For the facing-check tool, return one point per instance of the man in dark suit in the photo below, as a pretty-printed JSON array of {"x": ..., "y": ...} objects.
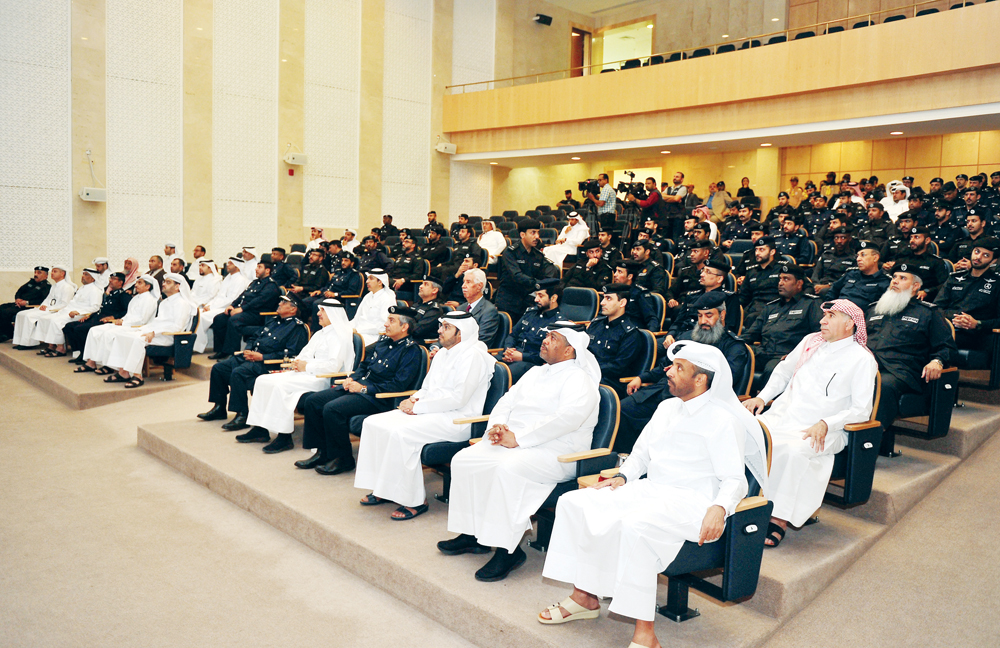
[{"x": 484, "y": 312}]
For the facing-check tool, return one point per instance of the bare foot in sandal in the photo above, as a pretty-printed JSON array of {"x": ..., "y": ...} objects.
[{"x": 581, "y": 598}]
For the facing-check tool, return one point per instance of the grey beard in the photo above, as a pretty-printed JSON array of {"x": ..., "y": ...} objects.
[
  {"x": 711, "y": 336},
  {"x": 891, "y": 303}
]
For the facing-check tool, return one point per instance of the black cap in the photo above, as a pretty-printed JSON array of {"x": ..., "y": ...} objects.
[
  {"x": 711, "y": 299},
  {"x": 590, "y": 244},
  {"x": 704, "y": 227},
  {"x": 840, "y": 230},
  {"x": 943, "y": 204},
  {"x": 783, "y": 193},
  {"x": 995, "y": 174},
  {"x": 905, "y": 178},
  {"x": 938, "y": 180},
  {"x": 404, "y": 311},
  {"x": 920, "y": 229},
  {"x": 877, "y": 205},
  {"x": 869, "y": 245},
  {"x": 948, "y": 186},
  {"x": 987, "y": 243},
  {"x": 755, "y": 226},
  {"x": 765, "y": 240},
  {"x": 42, "y": 268},
  {"x": 631, "y": 267},
  {"x": 528, "y": 224},
  {"x": 344, "y": 254},
  {"x": 913, "y": 269},
  {"x": 795, "y": 218},
  {"x": 909, "y": 214},
  {"x": 645, "y": 243},
  {"x": 698, "y": 245},
  {"x": 545, "y": 284},
  {"x": 744, "y": 206},
  {"x": 438, "y": 228},
  {"x": 791, "y": 269},
  {"x": 290, "y": 297},
  {"x": 464, "y": 226},
  {"x": 721, "y": 264},
  {"x": 962, "y": 176},
  {"x": 619, "y": 289}
]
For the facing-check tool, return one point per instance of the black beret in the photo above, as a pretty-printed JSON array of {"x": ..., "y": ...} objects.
[
  {"x": 962, "y": 176},
  {"x": 290, "y": 297},
  {"x": 711, "y": 299},
  {"x": 704, "y": 227},
  {"x": 795, "y": 218},
  {"x": 42, "y": 268},
  {"x": 590, "y": 244},
  {"x": 948, "y": 186},
  {"x": 404, "y": 311},
  {"x": 645, "y": 243},
  {"x": 744, "y": 206},
  {"x": 905, "y": 178},
  {"x": 697, "y": 245},
  {"x": 995, "y": 174},
  {"x": 719, "y": 264},
  {"x": 464, "y": 226},
  {"x": 938, "y": 180},
  {"x": 791, "y": 269},
  {"x": 920, "y": 229},
  {"x": 368, "y": 238},
  {"x": 909, "y": 214},
  {"x": 877, "y": 205},
  {"x": 754, "y": 226},
  {"x": 943, "y": 204},
  {"x": 987, "y": 243},
  {"x": 765, "y": 240},
  {"x": 913, "y": 269},
  {"x": 528, "y": 224},
  {"x": 631, "y": 267},
  {"x": 619, "y": 289},
  {"x": 117, "y": 275},
  {"x": 869, "y": 245},
  {"x": 783, "y": 193},
  {"x": 840, "y": 230},
  {"x": 545, "y": 284}
]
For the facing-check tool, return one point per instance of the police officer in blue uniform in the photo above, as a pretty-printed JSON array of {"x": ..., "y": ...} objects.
[
  {"x": 281, "y": 273},
  {"x": 712, "y": 280},
  {"x": 615, "y": 340},
  {"x": 29, "y": 294},
  {"x": 760, "y": 284},
  {"x": 392, "y": 366},
  {"x": 244, "y": 317},
  {"x": 114, "y": 305},
  {"x": 590, "y": 269},
  {"x": 523, "y": 345},
  {"x": 234, "y": 377},
  {"x": 971, "y": 300},
  {"x": 521, "y": 266},
  {"x": 641, "y": 307},
  {"x": 371, "y": 255},
  {"x": 944, "y": 230},
  {"x": 428, "y": 308},
  {"x": 930, "y": 266},
  {"x": 864, "y": 283},
  {"x": 638, "y": 407},
  {"x": 793, "y": 241},
  {"x": 739, "y": 227},
  {"x": 653, "y": 276},
  {"x": 784, "y": 321},
  {"x": 834, "y": 262}
]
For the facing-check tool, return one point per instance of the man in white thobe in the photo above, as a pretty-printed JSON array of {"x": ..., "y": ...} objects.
[
  {"x": 455, "y": 388},
  {"x": 173, "y": 315},
  {"x": 369, "y": 320},
  {"x": 250, "y": 261},
  {"x": 492, "y": 241},
  {"x": 315, "y": 239},
  {"x": 231, "y": 287},
  {"x": 169, "y": 254},
  {"x": 272, "y": 409},
  {"x": 499, "y": 483},
  {"x": 100, "y": 339},
  {"x": 49, "y": 327},
  {"x": 206, "y": 286},
  {"x": 569, "y": 240},
  {"x": 60, "y": 294},
  {"x": 102, "y": 265},
  {"x": 826, "y": 382},
  {"x": 613, "y": 540}
]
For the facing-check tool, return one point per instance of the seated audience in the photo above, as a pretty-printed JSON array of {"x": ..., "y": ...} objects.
[
  {"x": 760, "y": 284},
  {"x": 570, "y": 238},
  {"x": 929, "y": 265},
  {"x": 230, "y": 290},
  {"x": 524, "y": 342},
  {"x": 521, "y": 266},
  {"x": 834, "y": 262},
  {"x": 863, "y": 284},
  {"x": 615, "y": 340},
  {"x": 652, "y": 277},
  {"x": 971, "y": 299},
  {"x": 481, "y": 308},
  {"x": 712, "y": 279},
  {"x": 114, "y": 305},
  {"x": 100, "y": 339},
  {"x": 244, "y": 316},
  {"x": 641, "y": 307},
  {"x": 59, "y": 295},
  {"x": 29, "y": 295},
  {"x": 315, "y": 238},
  {"x": 207, "y": 284},
  {"x": 492, "y": 241},
  {"x": 793, "y": 241},
  {"x": 590, "y": 269},
  {"x": 281, "y": 273}
]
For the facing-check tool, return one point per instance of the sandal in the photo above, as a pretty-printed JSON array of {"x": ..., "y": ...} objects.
[
  {"x": 371, "y": 500},
  {"x": 52, "y": 353},
  {"x": 775, "y": 534},
  {"x": 133, "y": 382},
  {"x": 43, "y": 351},
  {"x": 576, "y": 612},
  {"x": 84, "y": 369},
  {"x": 104, "y": 371},
  {"x": 407, "y": 513},
  {"x": 115, "y": 378}
]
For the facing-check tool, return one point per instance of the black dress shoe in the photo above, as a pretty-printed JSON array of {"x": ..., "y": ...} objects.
[
  {"x": 316, "y": 460},
  {"x": 218, "y": 355},
  {"x": 217, "y": 413},
  {"x": 256, "y": 434},
  {"x": 239, "y": 422},
  {"x": 280, "y": 444},
  {"x": 501, "y": 564},
  {"x": 336, "y": 467},
  {"x": 463, "y": 544}
]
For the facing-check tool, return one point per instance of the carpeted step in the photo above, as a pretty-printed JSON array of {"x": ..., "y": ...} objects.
[
  {"x": 971, "y": 424},
  {"x": 201, "y": 367}
]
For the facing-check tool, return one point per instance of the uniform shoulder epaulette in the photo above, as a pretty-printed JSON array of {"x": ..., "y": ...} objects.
[
  {"x": 628, "y": 325},
  {"x": 810, "y": 295},
  {"x": 297, "y": 321},
  {"x": 927, "y": 303},
  {"x": 733, "y": 336},
  {"x": 774, "y": 301}
]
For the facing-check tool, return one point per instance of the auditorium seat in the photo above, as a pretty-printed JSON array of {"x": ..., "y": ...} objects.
[
  {"x": 805, "y": 34},
  {"x": 498, "y": 219},
  {"x": 676, "y": 56},
  {"x": 548, "y": 235},
  {"x": 632, "y": 64},
  {"x": 358, "y": 421},
  {"x": 894, "y": 18},
  {"x": 580, "y": 304},
  {"x": 608, "y": 70},
  {"x": 722, "y": 49},
  {"x": 298, "y": 247},
  {"x": 546, "y": 219},
  {"x": 854, "y": 466},
  {"x": 507, "y": 227},
  {"x": 974, "y": 360},
  {"x": 700, "y": 52},
  {"x": 510, "y": 214},
  {"x": 750, "y": 43},
  {"x": 859, "y": 25},
  {"x": 935, "y": 403},
  {"x": 656, "y": 59},
  {"x": 926, "y": 12},
  {"x": 834, "y": 30},
  {"x": 543, "y": 209},
  {"x": 176, "y": 356},
  {"x": 777, "y": 39}
]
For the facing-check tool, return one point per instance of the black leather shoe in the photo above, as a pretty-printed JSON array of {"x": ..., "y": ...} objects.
[
  {"x": 336, "y": 467},
  {"x": 239, "y": 422},
  {"x": 280, "y": 444},
  {"x": 501, "y": 564},
  {"x": 463, "y": 544},
  {"x": 256, "y": 434},
  {"x": 218, "y": 355},
  {"x": 217, "y": 413},
  {"x": 316, "y": 460}
]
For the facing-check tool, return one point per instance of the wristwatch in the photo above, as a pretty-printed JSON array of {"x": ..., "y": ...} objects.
[
  {"x": 623, "y": 477},
  {"x": 364, "y": 390}
]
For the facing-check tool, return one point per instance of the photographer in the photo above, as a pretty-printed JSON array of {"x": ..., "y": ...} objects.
[
  {"x": 653, "y": 208},
  {"x": 674, "y": 198},
  {"x": 606, "y": 213}
]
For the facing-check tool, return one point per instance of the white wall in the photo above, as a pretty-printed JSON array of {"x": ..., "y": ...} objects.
[
  {"x": 145, "y": 121},
  {"x": 245, "y": 155},
  {"x": 36, "y": 221}
]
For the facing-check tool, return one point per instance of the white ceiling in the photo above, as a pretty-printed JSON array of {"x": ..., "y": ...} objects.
[
  {"x": 595, "y": 7},
  {"x": 933, "y": 122}
]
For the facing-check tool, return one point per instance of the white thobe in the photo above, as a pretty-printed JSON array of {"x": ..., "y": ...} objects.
[
  {"x": 552, "y": 410},
  {"x": 49, "y": 327},
  {"x": 493, "y": 242},
  {"x": 836, "y": 385},
  {"x": 574, "y": 235},
  {"x": 102, "y": 279},
  {"x": 129, "y": 348},
  {"x": 276, "y": 395},
  {"x": 894, "y": 208},
  {"x": 369, "y": 320},
  {"x": 313, "y": 245},
  {"x": 350, "y": 245},
  {"x": 59, "y": 295},
  {"x": 389, "y": 457},
  {"x": 230, "y": 288},
  {"x": 614, "y": 543},
  {"x": 100, "y": 339},
  {"x": 193, "y": 272},
  {"x": 205, "y": 288},
  {"x": 249, "y": 269}
]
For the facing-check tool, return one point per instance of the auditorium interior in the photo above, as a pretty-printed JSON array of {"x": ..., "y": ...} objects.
[{"x": 231, "y": 124}]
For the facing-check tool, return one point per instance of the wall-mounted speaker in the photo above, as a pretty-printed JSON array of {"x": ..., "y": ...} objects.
[{"x": 542, "y": 19}]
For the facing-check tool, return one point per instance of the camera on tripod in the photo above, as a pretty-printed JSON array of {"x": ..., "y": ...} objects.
[
  {"x": 589, "y": 186},
  {"x": 637, "y": 189}
]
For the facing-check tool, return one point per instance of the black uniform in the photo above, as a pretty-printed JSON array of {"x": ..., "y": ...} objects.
[
  {"x": 459, "y": 253},
  {"x": 653, "y": 277},
  {"x": 641, "y": 308},
  {"x": 684, "y": 282},
  {"x": 392, "y": 366},
  {"x": 369, "y": 260},
  {"x": 32, "y": 292},
  {"x": 832, "y": 265},
  {"x": 963, "y": 248},
  {"x": 946, "y": 235},
  {"x": 388, "y": 230},
  {"x": 410, "y": 267},
  {"x": 611, "y": 254},
  {"x": 759, "y": 287},
  {"x": 313, "y": 277},
  {"x": 519, "y": 270},
  {"x": 436, "y": 252},
  {"x": 527, "y": 337},
  {"x": 975, "y": 296},
  {"x": 637, "y": 409},
  {"x": 114, "y": 304},
  {"x": 795, "y": 245},
  {"x": 428, "y": 314},
  {"x": 877, "y": 231},
  {"x": 930, "y": 265},
  {"x": 234, "y": 377},
  {"x": 284, "y": 274},
  {"x": 687, "y": 314},
  {"x": 616, "y": 345},
  {"x": 903, "y": 344},
  {"x": 897, "y": 246},
  {"x": 859, "y": 288},
  {"x": 814, "y": 221},
  {"x": 737, "y": 229},
  {"x": 261, "y": 296},
  {"x": 781, "y": 326},
  {"x": 580, "y": 276}
]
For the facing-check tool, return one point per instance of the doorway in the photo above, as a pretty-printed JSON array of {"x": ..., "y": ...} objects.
[{"x": 579, "y": 52}]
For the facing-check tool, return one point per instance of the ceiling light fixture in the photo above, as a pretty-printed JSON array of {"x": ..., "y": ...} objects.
[
  {"x": 896, "y": 133},
  {"x": 766, "y": 144},
  {"x": 725, "y": 35},
  {"x": 775, "y": 19},
  {"x": 665, "y": 152},
  {"x": 574, "y": 158},
  {"x": 494, "y": 162},
  {"x": 84, "y": 38},
  {"x": 649, "y": 26}
]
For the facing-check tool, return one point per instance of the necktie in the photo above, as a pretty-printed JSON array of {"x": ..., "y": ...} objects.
[{"x": 468, "y": 308}]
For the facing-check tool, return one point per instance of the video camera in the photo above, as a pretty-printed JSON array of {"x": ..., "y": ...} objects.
[
  {"x": 637, "y": 189},
  {"x": 589, "y": 186}
]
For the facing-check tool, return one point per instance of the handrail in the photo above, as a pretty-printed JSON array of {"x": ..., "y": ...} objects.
[{"x": 787, "y": 32}]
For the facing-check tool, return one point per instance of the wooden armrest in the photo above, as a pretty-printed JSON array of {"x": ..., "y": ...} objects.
[
  {"x": 744, "y": 397},
  {"x": 176, "y": 333},
  {"x": 660, "y": 334},
  {"x": 867, "y": 425},
  {"x": 492, "y": 351},
  {"x": 475, "y": 441},
  {"x": 587, "y": 480},
  {"x": 340, "y": 382},
  {"x": 348, "y": 296},
  {"x": 627, "y": 379},
  {"x": 395, "y": 394},
  {"x": 269, "y": 313},
  {"x": 472, "y": 419},
  {"x": 340, "y": 374},
  {"x": 751, "y": 503},
  {"x": 996, "y": 330},
  {"x": 280, "y": 361},
  {"x": 430, "y": 341},
  {"x": 949, "y": 369},
  {"x": 584, "y": 322},
  {"x": 586, "y": 454},
  {"x": 609, "y": 472}
]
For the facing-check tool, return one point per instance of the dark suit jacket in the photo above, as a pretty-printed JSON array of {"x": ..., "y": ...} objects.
[{"x": 487, "y": 317}]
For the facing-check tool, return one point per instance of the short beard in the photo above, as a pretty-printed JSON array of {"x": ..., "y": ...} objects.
[
  {"x": 711, "y": 336},
  {"x": 892, "y": 303}
]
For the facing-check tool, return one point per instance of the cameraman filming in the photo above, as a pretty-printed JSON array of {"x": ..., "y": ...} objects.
[
  {"x": 653, "y": 207},
  {"x": 605, "y": 203}
]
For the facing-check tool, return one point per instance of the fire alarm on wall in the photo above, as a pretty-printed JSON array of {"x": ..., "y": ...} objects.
[{"x": 291, "y": 172}]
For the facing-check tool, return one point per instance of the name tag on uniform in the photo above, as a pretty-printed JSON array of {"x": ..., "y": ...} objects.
[
  {"x": 773, "y": 315},
  {"x": 915, "y": 320},
  {"x": 874, "y": 318},
  {"x": 795, "y": 312}
]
